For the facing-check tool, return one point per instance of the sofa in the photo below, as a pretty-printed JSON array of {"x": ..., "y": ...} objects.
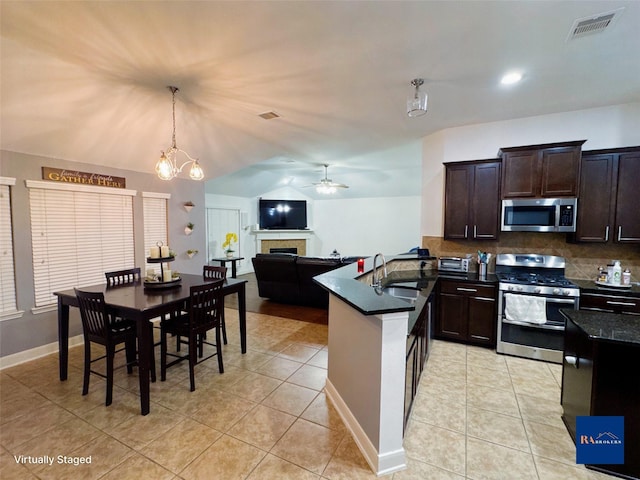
[{"x": 288, "y": 278}]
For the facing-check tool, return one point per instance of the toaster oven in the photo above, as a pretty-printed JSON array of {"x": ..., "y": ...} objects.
[{"x": 454, "y": 264}]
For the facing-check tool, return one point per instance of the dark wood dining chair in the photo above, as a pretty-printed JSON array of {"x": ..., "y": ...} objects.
[
  {"x": 120, "y": 278},
  {"x": 213, "y": 272},
  {"x": 123, "y": 277},
  {"x": 98, "y": 326},
  {"x": 203, "y": 314}
]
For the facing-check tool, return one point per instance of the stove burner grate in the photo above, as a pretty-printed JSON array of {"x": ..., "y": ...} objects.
[{"x": 535, "y": 279}]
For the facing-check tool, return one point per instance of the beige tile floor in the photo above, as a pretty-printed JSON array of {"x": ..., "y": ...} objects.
[{"x": 478, "y": 415}]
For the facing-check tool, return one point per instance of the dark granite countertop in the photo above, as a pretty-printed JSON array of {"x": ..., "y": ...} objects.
[
  {"x": 608, "y": 327},
  {"x": 591, "y": 287},
  {"x": 343, "y": 282},
  {"x": 471, "y": 277}
]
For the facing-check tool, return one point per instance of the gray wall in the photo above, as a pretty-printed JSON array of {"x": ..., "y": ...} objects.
[{"x": 31, "y": 331}]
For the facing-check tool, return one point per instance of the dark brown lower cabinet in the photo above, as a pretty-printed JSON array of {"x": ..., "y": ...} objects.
[
  {"x": 417, "y": 353},
  {"x": 467, "y": 312},
  {"x": 614, "y": 302},
  {"x": 603, "y": 378}
]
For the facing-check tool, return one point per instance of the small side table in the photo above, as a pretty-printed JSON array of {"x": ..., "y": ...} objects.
[{"x": 233, "y": 260}]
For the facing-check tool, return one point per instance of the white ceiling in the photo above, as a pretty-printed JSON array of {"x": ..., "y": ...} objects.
[{"x": 86, "y": 81}]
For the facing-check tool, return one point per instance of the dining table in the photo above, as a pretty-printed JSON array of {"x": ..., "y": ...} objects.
[{"x": 141, "y": 303}]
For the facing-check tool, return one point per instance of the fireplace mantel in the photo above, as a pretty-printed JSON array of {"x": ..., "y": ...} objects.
[{"x": 283, "y": 238}]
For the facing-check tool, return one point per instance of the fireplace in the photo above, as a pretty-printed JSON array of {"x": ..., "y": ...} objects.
[
  {"x": 297, "y": 246},
  {"x": 298, "y": 241},
  {"x": 293, "y": 250}
]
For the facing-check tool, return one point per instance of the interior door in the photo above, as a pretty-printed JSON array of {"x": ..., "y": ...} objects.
[{"x": 221, "y": 221}]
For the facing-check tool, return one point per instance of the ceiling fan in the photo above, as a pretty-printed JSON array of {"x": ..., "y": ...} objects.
[{"x": 326, "y": 185}]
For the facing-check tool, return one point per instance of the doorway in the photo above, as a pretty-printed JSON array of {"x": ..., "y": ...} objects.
[{"x": 221, "y": 221}]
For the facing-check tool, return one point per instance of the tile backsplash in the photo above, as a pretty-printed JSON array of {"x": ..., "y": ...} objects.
[{"x": 583, "y": 259}]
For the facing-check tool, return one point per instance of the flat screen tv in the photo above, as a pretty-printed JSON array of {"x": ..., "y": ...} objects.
[{"x": 282, "y": 214}]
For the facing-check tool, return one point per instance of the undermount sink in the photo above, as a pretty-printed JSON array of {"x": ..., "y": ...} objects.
[{"x": 405, "y": 293}]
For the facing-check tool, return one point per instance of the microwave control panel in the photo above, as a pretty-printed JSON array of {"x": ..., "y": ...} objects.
[{"x": 566, "y": 215}]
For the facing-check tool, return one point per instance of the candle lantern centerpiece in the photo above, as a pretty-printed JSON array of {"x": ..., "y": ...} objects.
[{"x": 162, "y": 254}]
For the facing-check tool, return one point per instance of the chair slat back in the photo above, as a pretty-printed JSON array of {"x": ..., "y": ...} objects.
[
  {"x": 93, "y": 311},
  {"x": 123, "y": 277},
  {"x": 209, "y": 271},
  {"x": 206, "y": 304}
]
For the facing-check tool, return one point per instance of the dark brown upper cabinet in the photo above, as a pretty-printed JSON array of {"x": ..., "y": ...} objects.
[
  {"x": 607, "y": 206},
  {"x": 472, "y": 200},
  {"x": 541, "y": 171}
]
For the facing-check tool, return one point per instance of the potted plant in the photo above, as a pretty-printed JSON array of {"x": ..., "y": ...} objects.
[
  {"x": 188, "y": 229},
  {"x": 191, "y": 253},
  {"x": 188, "y": 206},
  {"x": 227, "y": 245}
]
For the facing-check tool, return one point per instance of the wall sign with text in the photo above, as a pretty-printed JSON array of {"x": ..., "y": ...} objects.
[{"x": 82, "y": 178}]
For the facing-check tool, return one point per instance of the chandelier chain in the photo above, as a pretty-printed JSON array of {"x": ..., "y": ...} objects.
[{"x": 173, "y": 94}]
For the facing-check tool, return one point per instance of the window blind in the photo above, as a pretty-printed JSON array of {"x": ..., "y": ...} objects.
[
  {"x": 7, "y": 277},
  {"x": 155, "y": 224},
  {"x": 77, "y": 235}
]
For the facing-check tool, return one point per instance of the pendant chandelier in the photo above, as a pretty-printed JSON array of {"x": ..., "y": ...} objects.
[
  {"x": 167, "y": 167},
  {"x": 417, "y": 102}
]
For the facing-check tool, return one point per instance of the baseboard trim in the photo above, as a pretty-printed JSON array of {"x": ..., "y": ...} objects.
[
  {"x": 35, "y": 353},
  {"x": 381, "y": 464}
]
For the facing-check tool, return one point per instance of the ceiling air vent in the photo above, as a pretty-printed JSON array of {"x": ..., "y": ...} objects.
[
  {"x": 269, "y": 115},
  {"x": 594, "y": 24}
]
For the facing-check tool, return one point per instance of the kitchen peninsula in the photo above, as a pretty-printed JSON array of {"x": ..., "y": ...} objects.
[
  {"x": 371, "y": 336},
  {"x": 600, "y": 376}
]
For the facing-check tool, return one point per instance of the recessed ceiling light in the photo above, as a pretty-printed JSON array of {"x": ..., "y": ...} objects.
[{"x": 511, "y": 78}]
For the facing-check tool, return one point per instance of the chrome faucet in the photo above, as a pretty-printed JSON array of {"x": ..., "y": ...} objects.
[{"x": 377, "y": 282}]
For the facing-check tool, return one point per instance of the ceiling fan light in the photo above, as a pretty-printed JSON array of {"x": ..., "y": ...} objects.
[
  {"x": 417, "y": 101},
  {"x": 326, "y": 186},
  {"x": 325, "y": 189}
]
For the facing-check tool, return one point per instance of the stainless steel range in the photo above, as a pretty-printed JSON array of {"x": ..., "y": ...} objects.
[{"x": 532, "y": 290}]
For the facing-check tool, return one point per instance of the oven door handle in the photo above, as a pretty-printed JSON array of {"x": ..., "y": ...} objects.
[
  {"x": 561, "y": 300},
  {"x": 541, "y": 326}
]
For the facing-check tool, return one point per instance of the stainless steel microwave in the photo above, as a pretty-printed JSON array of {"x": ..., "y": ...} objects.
[{"x": 539, "y": 215}]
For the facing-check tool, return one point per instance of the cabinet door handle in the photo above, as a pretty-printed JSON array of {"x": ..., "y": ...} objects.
[
  {"x": 624, "y": 304},
  {"x": 478, "y": 337},
  {"x": 606, "y": 234},
  {"x": 466, "y": 230},
  {"x": 571, "y": 360},
  {"x": 462, "y": 289},
  {"x": 475, "y": 231},
  {"x": 620, "y": 238}
]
